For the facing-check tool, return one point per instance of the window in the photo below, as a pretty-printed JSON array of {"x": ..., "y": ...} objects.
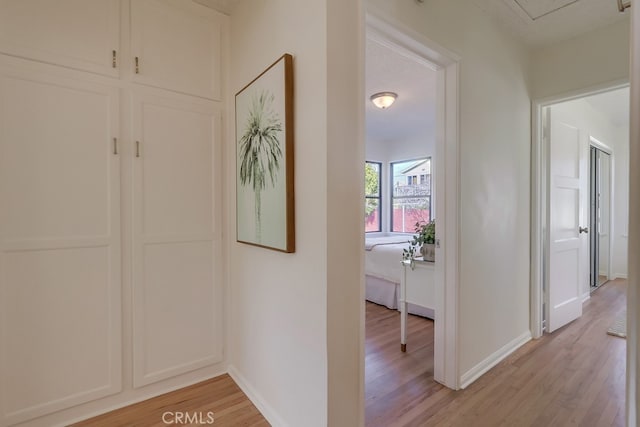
[
  {"x": 372, "y": 197},
  {"x": 411, "y": 197}
]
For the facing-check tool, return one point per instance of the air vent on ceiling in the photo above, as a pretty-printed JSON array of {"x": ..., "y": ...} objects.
[{"x": 538, "y": 8}]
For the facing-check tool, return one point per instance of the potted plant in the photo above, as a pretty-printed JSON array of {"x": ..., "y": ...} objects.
[{"x": 424, "y": 241}]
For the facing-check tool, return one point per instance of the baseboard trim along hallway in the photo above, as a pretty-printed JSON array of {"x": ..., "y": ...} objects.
[{"x": 477, "y": 371}]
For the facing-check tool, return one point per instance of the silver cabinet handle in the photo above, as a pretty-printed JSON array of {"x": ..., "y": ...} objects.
[{"x": 623, "y": 5}]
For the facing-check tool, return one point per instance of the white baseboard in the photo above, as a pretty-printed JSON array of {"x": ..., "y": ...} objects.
[
  {"x": 267, "y": 411},
  {"x": 586, "y": 296},
  {"x": 477, "y": 371},
  {"x": 620, "y": 276},
  {"x": 129, "y": 397}
]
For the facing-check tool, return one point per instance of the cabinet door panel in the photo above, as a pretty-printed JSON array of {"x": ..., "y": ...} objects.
[
  {"x": 54, "y": 138},
  {"x": 60, "y": 327},
  {"x": 178, "y": 300},
  {"x": 177, "y": 45},
  {"x": 177, "y": 274},
  {"x": 177, "y": 173},
  {"x": 80, "y": 34}
]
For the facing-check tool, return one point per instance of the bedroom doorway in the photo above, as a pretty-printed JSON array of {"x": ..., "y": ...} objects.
[{"x": 443, "y": 173}]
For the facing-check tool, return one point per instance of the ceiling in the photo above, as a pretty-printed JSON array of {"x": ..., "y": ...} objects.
[
  {"x": 413, "y": 113},
  {"x": 542, "y": 22},
  {"x": 223, "y": 6},
  {"x": 536, "y": 22}
]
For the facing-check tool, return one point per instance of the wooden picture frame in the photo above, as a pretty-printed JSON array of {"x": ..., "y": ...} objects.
[{"x": 264, "y": 159}]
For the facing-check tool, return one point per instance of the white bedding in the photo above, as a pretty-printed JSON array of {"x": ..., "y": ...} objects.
[
  {"x": 373, "y": 242},
  {"x": 383, "y": 268},
  {"x": 385, "y": 261}
]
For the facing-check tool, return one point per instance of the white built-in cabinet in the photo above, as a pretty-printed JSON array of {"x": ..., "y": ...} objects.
[
  {"x": 80, "y": 34},
  {"x": 60, "y": 279},
  {"x": 176, "y": 235},
  {"x": 110, "y": 193},
  {"x": 170, "y": 37}
]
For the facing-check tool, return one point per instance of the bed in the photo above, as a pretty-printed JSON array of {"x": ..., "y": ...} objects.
[{"x": 384, "y": 269}]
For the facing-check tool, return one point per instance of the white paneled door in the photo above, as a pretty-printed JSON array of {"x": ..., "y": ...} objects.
[
  {"x": 567, "y": 219},
  {"x": 177, "y": 283},
  {"x": 60, "y": 327}
]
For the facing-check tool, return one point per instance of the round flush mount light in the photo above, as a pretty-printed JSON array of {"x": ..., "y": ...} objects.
[{"x": 383, "y": 100}]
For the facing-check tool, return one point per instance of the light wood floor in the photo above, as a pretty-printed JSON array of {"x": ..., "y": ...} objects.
[
  {"x": 573, "y": 377},
  {"x": 220, "y": 395},
  {"x": 576, "y": 376}
]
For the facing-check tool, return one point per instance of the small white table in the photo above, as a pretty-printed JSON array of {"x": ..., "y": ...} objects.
[{"x": 416, "y": 287}]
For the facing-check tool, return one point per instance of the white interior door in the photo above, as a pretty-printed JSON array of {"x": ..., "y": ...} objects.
[{"x": 568, "y": 242}]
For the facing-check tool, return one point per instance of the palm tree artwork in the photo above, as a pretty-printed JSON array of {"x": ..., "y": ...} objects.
[{"x": 259, "y": 150}]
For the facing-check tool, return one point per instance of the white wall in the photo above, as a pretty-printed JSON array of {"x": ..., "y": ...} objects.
[
  {"x": 376, "y": 150},
  {"x": 494, "y": 166},
  {"x": 599, "y": 126},
  {"x": 596, "y": 58},
  {"x": 392, "y": 151},
  {"x": 294, "y": 319},
  {"x": 412, "y": 148},
  {"x": 619, "y": 265}
]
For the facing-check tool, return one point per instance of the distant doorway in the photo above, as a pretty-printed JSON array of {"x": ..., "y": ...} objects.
[
  {"x": 579, "y": 220},
  {"x": 600, "y": 216}
]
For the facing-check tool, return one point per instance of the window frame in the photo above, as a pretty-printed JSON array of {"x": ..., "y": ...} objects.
[
  {"x": 379, "y": 197},
  {"x": 392, "y": 197}
]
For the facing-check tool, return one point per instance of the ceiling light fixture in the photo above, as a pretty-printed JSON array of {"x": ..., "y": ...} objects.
[{"x": 383, "y": 100}]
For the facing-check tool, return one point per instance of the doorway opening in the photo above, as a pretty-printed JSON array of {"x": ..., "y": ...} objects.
[
  {"x": 438, "y": 169},
  {"x": 580, "y": 176},
  {"x": 600, "y": 215}
]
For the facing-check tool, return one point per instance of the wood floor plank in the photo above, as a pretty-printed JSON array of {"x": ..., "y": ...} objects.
[
  {"x": 220, "y": 396},
  {"x": 575, "y": 376}
]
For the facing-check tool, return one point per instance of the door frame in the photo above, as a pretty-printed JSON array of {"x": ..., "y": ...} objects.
[
  {"x": 593, "y": 142},
  {"x": 539, "y": 165},
  {"x": 412, "y": 44}
]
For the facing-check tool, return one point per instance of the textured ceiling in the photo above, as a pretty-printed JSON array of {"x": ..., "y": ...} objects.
[
  {"x": 542, "y": 22},
  {"x": 413, "y": 113}
]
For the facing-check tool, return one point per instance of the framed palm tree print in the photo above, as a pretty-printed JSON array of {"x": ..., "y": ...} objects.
[{"x": 264, "y": 159}]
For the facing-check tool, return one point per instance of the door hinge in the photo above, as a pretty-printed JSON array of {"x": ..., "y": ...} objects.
[
  {"x": 113, "y": 59},
  {"x": 437, "y": 243},
  {"x": 115, "y": 146},
  {"x": 137, "y": 60},
  {"x": 137, "y": 148}
]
